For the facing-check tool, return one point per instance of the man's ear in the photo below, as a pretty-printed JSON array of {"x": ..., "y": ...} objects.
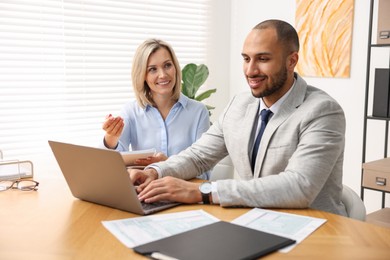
[{"x": 292, "y": 60}]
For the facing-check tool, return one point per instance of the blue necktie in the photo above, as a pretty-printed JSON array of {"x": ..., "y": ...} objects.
[{"x": 264, "y": 114}]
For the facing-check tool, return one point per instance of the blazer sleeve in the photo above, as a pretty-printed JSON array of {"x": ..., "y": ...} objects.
[{"x": 200, "y": 157}]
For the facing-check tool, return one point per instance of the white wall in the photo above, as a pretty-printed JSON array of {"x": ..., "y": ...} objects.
[
  {"x": 218, "y": 57},
  {"x": 348, "y": 92}
]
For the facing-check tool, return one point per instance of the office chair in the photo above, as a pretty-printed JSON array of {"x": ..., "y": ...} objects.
[{"x": 353, "y": 204}]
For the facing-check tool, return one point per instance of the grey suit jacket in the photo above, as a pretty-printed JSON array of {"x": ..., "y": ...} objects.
[{"x": 300, "y": 158}]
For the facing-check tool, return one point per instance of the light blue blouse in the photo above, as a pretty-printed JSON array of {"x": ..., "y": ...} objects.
[{"x": 146, "y": 129}]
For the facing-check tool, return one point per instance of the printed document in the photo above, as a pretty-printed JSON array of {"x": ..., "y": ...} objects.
[
  {"x": 140, "y": 230},
  {"x": 292, "y": 226}
]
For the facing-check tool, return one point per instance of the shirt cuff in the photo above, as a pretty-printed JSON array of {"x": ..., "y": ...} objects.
[
  {"x": 106, "y": 146},
  {"x": 158, "y": 170},
  {"x": 214, "y": 192}
]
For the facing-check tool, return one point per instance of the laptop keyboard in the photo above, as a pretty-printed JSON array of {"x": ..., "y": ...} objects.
[
  {"x": 148, "y": 206},
  {"x": 156, "y": 206}
]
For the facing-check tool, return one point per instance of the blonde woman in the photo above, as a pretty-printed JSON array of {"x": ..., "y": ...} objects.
[{"x": 161, "y": 117}]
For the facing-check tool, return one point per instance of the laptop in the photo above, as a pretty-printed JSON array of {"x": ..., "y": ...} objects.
[{"x": 100, "y": 176}]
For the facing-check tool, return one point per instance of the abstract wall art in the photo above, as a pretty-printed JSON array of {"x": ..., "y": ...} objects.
[{"x": 325, "y": 32}]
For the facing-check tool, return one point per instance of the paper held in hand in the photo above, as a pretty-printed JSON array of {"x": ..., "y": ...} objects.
[{"x": 130, "y": 157}]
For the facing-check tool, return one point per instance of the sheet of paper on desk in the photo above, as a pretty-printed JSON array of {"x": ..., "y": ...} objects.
[
  {"x": 140, "y": 230},
  {"x": 293, "y": 226}
]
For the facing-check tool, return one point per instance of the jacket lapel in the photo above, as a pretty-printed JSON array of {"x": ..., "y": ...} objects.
[
  {"x": 293, "y": 101},
  {"x": 248, "y": 123}
]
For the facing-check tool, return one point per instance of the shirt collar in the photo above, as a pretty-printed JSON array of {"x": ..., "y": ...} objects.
[
  {"x": 276, "y": 106},
  {"x": 183, "y": 101}
]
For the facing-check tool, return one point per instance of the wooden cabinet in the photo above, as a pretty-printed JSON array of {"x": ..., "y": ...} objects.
[
  {"x": 376, "y": 176},
  {"x": 380, "y": 217}
]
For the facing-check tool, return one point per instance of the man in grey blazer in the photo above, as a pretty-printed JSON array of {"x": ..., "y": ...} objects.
[{"x": 300, "y": 157}]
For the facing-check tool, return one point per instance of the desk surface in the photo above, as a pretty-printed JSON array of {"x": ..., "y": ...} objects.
[{"x": 51, "y": 224}]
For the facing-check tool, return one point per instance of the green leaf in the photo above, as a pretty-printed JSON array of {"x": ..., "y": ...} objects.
[
  {"x": 193, "y": 77},
  {"x": 205, "y": 94},
  {"x": 184, "y": 90}
]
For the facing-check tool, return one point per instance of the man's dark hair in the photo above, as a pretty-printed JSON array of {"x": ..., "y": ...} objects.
[{"x": 286, "y": 33}]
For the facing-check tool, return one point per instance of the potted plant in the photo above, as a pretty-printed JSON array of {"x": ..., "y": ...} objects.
[{"x": 193, "y": 77}]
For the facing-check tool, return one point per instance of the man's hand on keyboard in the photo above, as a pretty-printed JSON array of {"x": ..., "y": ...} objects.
[
  {"x": 171, "y": 189},
  {"x": 142, "y": 177}
]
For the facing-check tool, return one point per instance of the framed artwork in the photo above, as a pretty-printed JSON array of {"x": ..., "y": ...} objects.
[{"x": 325, "y": 33}]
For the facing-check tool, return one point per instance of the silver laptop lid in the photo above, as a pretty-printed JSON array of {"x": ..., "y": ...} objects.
[{"x": 97, "y": 175}]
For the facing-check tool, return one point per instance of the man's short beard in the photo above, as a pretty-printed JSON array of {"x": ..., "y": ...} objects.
[{"x": 280, "y": 80}]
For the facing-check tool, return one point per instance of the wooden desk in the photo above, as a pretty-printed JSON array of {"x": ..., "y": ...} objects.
[{"x": 51, "y": 224}]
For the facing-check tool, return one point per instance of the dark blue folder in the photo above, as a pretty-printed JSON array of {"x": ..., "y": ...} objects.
[{"x": 220, "y": 240}]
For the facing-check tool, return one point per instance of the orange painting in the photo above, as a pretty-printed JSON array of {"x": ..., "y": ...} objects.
[{"x": 325, "y": 33}]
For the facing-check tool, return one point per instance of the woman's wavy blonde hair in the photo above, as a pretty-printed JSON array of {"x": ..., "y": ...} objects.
[{"x": 139, "y": 69}]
